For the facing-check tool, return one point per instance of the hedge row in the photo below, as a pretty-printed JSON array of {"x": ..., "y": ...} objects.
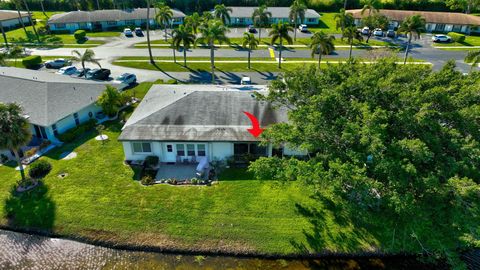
[
  {"x": 76, "y": 132},
  {"x": 457, "y": 37},
  {"x": 32, "y": 61},
  {"x": 80, "y": 35}
]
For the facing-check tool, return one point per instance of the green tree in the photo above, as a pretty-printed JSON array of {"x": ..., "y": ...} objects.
[
  {"x": 193, "y": 22},
  {"x": 412, "y": 26},
  {"x": 111, "y": 100},
  {"x": 351, "y": 33},
  {"x": 375, "y": 21},
  {"x": 322, "y": 44},
  {"x": 182, "y": 36},
  {"x": 250, "y": 43},
  {"x": 3, "y": 59},
  {"x": 14, "y": 130},
  {"x": 279, "y": 32},
  {"x": 371, "y": 5},
  {"x": 465, "y": 5},
  {"x": 213, "y": 31},
  {"x": 343, "y": 19},
  {"x": 164, "y": 16},
  {"x": 149, "y": 44},
  {"x": 473, "y": 57},
  {"x": 221, "y": 12},
  {"x": 261, "y": 18},
  {"x": 87, "y": 56},
  {"x": 297, "y": 12}
]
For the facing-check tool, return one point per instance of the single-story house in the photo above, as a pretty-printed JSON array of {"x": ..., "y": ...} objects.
[
  {"x": 9, "y": 19},
  {"x": 181, "y": 123},
  {"x": 52, "y": 103},
  {"x": 436, "y": 21},
  {"x": 107, "y": 19},
  {"x": 242, "y": 16}
]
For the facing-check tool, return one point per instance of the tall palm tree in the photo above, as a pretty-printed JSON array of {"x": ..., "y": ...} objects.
[
  {"x": 297, "y": 12},
  {"x": 251, "y": 43},
  {"x": 149, "y": 45},
  {"x": 4, "y": 34},
  {"x": 164, "y": 16},
  {"x": 351, "y": 33},
  {"x": 343, "y": 19},
  {"x": 15, "y": 130},
  {"x": 322, "y": 44},
  {"x": 371, "y": 6},
  {"x": 31, "y": 21},
  {"x": 213, "y": 31},
  {"x": 412, "y": 26},
  {"x": 222, "y": 13},
  {"x": 280, "y": 32},
  {"x": 98, "y": 5},
  {"x": 87, "y": 56},
  {"x": 193, "y": 22},
  {"x": 183, "y": 36},
  {"x": 473, "y": 57},
  {"x": 18, "y": 6},
  {"x": 261, "y": 18},
  {"x": 43, "y": 9},
  {"x": 345, "y": 4}
]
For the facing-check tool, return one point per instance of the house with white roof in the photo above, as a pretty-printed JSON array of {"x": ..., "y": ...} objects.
[
  {"x": 242, "y": 16},
  {"x": 186, "y": 123}
]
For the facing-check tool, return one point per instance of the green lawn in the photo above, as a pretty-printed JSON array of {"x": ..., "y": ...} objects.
[
  {"x": 327, "y": 24},
  {"x": 469, "y": 42},
  {"x": 100, "y": 200}
]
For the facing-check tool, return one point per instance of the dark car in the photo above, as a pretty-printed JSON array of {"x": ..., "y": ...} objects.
[
  {"x": 391, "y": 34},
  {"x": 81, "y": 72},
  {"x": 98, "y": 74},
  {"x": 138, "y": 32}
]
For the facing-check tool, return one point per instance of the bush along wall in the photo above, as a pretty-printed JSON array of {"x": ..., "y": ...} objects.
[
  {"x": 77, "y": 132},
  {"x": 32, "y": 61},
  {"x": 459, "y": 38}
]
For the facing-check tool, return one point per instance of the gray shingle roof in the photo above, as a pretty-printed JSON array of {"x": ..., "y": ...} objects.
[
  {"x": 107, "y": 15},
  {"x": 6, "y": 15},
  {"x": 199, "y": 113},
  {"x": 277, "y": 12},
  {"x": 47, "y": 98}
]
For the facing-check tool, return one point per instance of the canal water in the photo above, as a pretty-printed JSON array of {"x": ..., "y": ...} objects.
[{"x": 23, "y": 251}]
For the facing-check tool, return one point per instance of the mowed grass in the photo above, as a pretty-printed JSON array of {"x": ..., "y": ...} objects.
[
  {"x": 99, "y": 200},
  {"x": 469, "y": 42}
]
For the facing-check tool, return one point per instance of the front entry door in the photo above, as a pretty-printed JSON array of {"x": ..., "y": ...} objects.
[{"x": 169, "y": 153}]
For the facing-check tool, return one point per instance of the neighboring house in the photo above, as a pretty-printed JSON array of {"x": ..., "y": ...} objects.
[
  {"x": 242, "y": 16},
  {"x": 108, "y": 19},
  {"x": 436, "y": 21},
  {"x": 185, "y": 122},
  {"x": 52, "y": 103},
  {"x": 9, "y": 19}
]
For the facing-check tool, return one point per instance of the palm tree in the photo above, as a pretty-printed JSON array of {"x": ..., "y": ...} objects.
[
  {"x": 183, "y": 36},
  {"x": 473, "y": 57},
  {"x": 18, "y": 6},
  {"x": 350, "y": 33},
  {"x": 343, "y": 19},
  {"x": 345, "y": 5},
  {"x": 280, "y": 32},
  {"x": 321, "y": 43},
  {"x": 43, "y": 9},
  {"x": 297, "y": 11},
  {"x": 164, "y": 16},
  {"x": 251, "y": 43},
  {"x": 261, "y": 18},
  {"x": 193, "y": 22},
  {"x": 4, "y": 35},
  {"x": 87, "y": 56},
  {"x": 213, "y": 31},
  {"x": 412, "y": 26},
  {"x": 30, "y": 19},
  {"x": 149, "y": 45},
  {"x": 222, "y": 13},
  {"x": 371, "y": 6},
  {"x": 3, "y": 59},
  {"x": 15, "y": 130}
]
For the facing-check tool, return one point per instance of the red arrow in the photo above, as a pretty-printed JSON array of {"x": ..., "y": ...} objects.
[{"x": 255, "y": 130}]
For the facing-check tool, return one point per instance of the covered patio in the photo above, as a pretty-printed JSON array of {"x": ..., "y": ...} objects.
[{"x": 176, "y": 171}]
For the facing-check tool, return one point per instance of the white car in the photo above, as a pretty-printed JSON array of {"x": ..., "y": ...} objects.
[
  {"x": 378, "y": 32},
  {"x": 441, "y": 38},
  {"x": 127, "y": 78},
  {"x": 128, "y": 32},
  {"x": 57, "y": 63},
  {"x": 365, "y": 30},
  {"x": 246, "y": 81},
  {"x": 303, "y": 28},
  {"x": 70, "y": 70}
]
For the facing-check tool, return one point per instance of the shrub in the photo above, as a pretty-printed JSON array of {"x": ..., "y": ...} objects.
[
  {"x": 151, "y": 161},
  {"x": 31, "y": 152},
  {"x": 90, "y": 124},
  {"x": 80, "y": 35},
  {"x": 76, "y": 132},
  {"x": 172, "y": 181},
  {"x": 195, "y": 181},
  {"x": 3, "y": 158},
  {"x": 147, "y": 180},
  {"x": 172, "y": 81},
  {"x": 39, "y": 169},
  {"x": 67, "y": 137},
  {"x": 457, "y": 37},
  {"x": 32, "y": 61}
]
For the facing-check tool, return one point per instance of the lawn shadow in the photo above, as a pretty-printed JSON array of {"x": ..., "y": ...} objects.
[
  {"x": 164, "y": 72},
  {"x": 268, "y": 76},
  {"x": 230, "y": 77}
]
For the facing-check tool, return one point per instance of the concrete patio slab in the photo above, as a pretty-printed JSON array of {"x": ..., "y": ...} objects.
[{"x": 177, "y": 171}]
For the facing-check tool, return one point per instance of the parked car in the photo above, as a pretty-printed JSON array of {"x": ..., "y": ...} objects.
[
  {"x": 81, "y": 72},
  {"x": 57, "y": 63},
  {"x": 365, "y": 30},
  {"x": 127, "y": 78},
  {"x": 69, "y": 70},
  {"x": 246, "y": 81},
  {"x": 98, "y": 74},
  {"x": 138, "y": 32},
  {"x": 391, "y": 34},
  {"x": 378, "y": 32},
  {"x": 303, "y": 28},
  {"x": 441, "y": 38},
  {"x": 128, "y": 32},
  {"x": 251, "y": 29}
]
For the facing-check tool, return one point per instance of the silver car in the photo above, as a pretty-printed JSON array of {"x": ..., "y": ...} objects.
[{"x": 57, "y": 63}]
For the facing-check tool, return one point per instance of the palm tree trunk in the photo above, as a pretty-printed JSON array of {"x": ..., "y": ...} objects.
[
  {"x": 295, "y": 31},
  {"x": 280, "y": 54},
  {"x": 98, "y": 5},
  {"x": 4, "y": 35},
  {"x": 212, "y": 61},
  {"x": 249, "y": 51},
  {"x": 407, "y": 50},
  {"x": 19, "y": 162},
  {"x": 319, "y": 58},
  {"x": 165, "y": 26},
  {"x": 259, "y": 34},
  {"x": 184, "y": 56},
  {"x": 148, "y": 33},
  {"x": 345, "y": 5},
  {"x": 351, "y": 48},
  {"x": 174, "y": 55},
  {"x": 43, "y": 9},
  {"x": 20, "y": 19},
  {"x": 31, "y": 21},
  {"x": 83, "y": 66}
]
